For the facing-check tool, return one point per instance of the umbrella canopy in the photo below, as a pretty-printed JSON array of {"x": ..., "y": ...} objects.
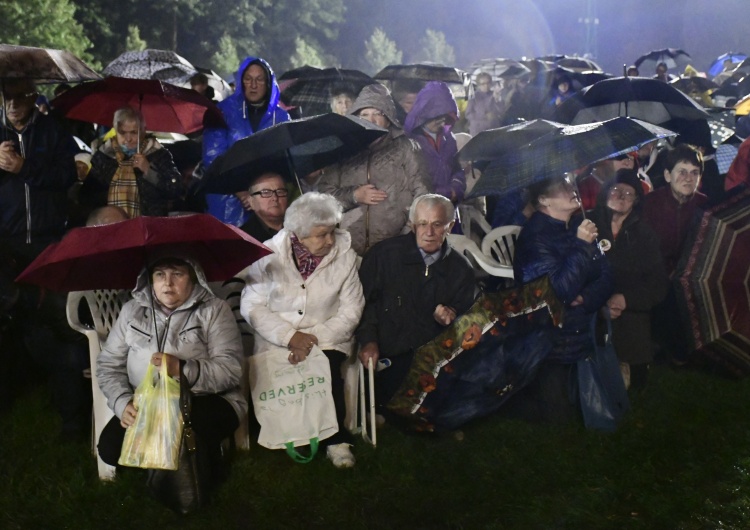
[
  {"x": 693, "y": 84},
  {"x": 637, "y": 97},
  {"x": 717, "y": 66},
  {"x": 565, "y": 149},
  {"x": 714, "y": 286},
  {"x": 573, "y": 62},
  {"x": 43, "y": 65},
  {"x": 312, "y": 87},
  {"x": 165, "y": 107},
  {"x": 292, "y": 148},
  {"x": 499, "y": 68},
  {"x": 111, "y": 256},
  {"x": 422, "y": 72},
  {"x": 492, "y": 144},
  {"x": 672, "y": 57},
  {"x": 164, "y": 65}
]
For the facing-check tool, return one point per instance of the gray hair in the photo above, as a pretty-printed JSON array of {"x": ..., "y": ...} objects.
[
  {"x": 128, "y": 114},
  {"x": 431, "y": 200},
  {"x": 310, "y": 210}
]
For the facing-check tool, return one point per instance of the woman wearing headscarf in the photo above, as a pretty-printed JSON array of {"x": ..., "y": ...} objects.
[
  {"x": 632, "y": 249},
  {"x": 377, "y": 186}
]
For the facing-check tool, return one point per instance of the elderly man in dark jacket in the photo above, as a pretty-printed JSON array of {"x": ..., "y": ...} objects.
[{"x": 414, "y": 285}]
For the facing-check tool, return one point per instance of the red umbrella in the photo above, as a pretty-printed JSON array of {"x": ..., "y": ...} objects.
[
  {"x": 165, "y": 107},
  {"x": 112, "y": 256},
  {"x": 714, "y": 285}
]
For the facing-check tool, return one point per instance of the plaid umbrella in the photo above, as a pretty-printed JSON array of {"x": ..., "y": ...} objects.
[
  {"x": 714, "y": 286},
  {"x": 421, "y": 72},
  {"x": 563, "y": 150},
  {"x": 672, "y": 57},
  {"x": 43, "y": 65},
  {"x": 312, "y": 87},
  {"x": 164, "y": 65},
  {"x": 649, "y": 100}
]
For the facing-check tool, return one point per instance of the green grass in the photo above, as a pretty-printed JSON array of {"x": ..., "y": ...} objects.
[{"x": 680, "y": 461}]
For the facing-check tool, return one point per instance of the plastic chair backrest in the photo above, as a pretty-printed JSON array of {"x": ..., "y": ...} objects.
[
  {"x": 500, "y": 244},
  {"x": 473, "y": 223},
  {"x": 479, "y": 261}
]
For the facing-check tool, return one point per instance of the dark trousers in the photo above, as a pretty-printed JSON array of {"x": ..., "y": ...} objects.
[{"x": 213, "y": 420}]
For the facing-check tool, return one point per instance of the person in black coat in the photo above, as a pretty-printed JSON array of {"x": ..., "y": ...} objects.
[
  {"x": 414, "y": 286},
  {"x": 555, "y": 243},
  {"x": 632, "y": 248}
]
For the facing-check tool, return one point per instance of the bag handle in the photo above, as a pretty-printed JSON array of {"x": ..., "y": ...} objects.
[{"x": 297, "y": 457}]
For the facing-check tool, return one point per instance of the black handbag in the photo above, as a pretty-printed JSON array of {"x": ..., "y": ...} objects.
[
  {"x": 604, "y": 399},
  {"x": 185, "y": 489}
]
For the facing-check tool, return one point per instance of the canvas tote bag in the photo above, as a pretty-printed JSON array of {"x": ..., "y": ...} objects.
[{"x": 293, "y": 403}]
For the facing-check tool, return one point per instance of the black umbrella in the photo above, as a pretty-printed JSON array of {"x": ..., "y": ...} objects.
[
  {"x": 672, "y": 57},
  {"x": 313, "y": 87},
  {"x": 43, "y": 65},
  {"x": 573, "y": 62},
  {"x": 492, "y": 144},
  {"x": 565, "y": 149},
  {"x": 649, "y": 100},
  {"x": 499, "y": 68},
  {"x": 293, "y": 148},
  {"x": 422, "y": 72},
  {"x": 693, "y": 84}
]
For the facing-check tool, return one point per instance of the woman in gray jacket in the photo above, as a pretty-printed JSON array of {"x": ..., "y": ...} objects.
[
  {"x": 191, "y": 325},
  {"x": 377, "y": 186}
]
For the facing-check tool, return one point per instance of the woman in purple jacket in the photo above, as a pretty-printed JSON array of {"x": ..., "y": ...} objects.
[{"x": 429, "y": 123}]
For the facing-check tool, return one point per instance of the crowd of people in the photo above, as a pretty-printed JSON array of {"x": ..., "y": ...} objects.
[{"x": 361, "y": 262}]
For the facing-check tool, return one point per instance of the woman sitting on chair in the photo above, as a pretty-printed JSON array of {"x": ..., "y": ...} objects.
[
  {"x": 308, "y": 293},
  {"x": 174, "y": 317}
]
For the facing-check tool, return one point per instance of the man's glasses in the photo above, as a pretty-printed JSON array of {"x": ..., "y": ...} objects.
[{"x": 267, "y": 194}]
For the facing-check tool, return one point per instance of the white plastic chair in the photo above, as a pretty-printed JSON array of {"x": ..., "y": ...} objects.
[
  {"x": 500, "y": 244},
  {"x": 354, "y": 397},
  {"x": 231, "y": 291},
  {"x": 468, "y": 248},
  {"x": 104, "y": 306},
  {"x": 473, "y": 223}
]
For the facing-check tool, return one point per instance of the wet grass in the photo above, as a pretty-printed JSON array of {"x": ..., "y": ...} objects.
[{"x": 680, "y": 461}]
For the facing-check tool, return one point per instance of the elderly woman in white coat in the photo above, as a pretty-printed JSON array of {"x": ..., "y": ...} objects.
[{"x": 308, "y": 293}]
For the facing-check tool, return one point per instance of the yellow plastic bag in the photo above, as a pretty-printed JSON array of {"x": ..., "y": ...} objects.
[{"x": 153, "y": 441}]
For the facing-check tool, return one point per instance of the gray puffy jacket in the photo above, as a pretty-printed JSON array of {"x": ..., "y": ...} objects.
[{"x": 202, "y": 331}]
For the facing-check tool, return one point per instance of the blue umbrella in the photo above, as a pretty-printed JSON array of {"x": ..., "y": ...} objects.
[{"x": 718, "y": 65}]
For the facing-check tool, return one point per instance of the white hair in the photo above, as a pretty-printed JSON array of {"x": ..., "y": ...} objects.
[
  {"x": 310, "y": 210},
  {"x": 431, "y": 200}
]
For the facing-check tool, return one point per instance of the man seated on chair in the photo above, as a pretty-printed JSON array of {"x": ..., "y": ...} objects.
[{"x": 414, "y": 285}]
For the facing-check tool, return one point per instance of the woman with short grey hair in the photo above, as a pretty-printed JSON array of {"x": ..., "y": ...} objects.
[{"x": 308, "y": 293}]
